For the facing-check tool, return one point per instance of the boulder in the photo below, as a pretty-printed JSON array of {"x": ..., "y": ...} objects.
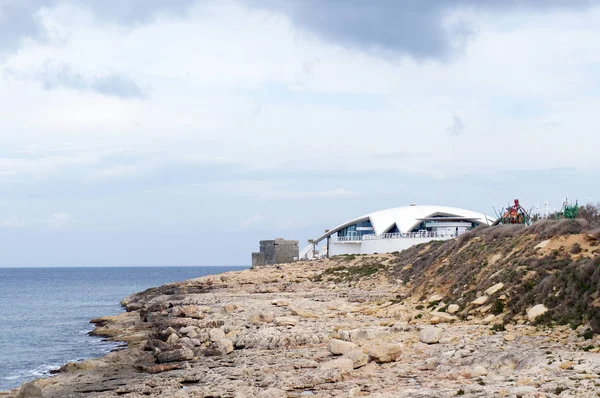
[
  {"x": 302, "y": 313},
  {"x": 181, "y": 354},
  {"x": 493, "y": 289},
  {"x": 522, "y": 391},
  {"x": 384, "y": 353},
  {"x": 29, "y": 390},
  {"x": 435, "y": 298},
  {"x": 225, "y": 345},
  {"x": 343, "y": 364},
  {"x": 478, "y": 371},
  {"x": 509, "y": 337},
  {"x": 358, "y": 358},
  {"x": 452, "y": 309},
  {"x": 443, "y": 317},
  {"x": 286, "y": 321},
  {"x": 341, "y": 347},
  {"x": 231, "y": 307},
  {"x": 187, "y": 329},
  {"x": 173, "y": 339},
  {"x": 488, "y": 319},
  {"x": 430, "y": 335},
  {"x": 261, "y": 318},
  {"x": 480, "y": 300},
  {"x": 536, "y": 311},
  {"x": 216, "y": 334},
  {"x": 167, "y": 332}
]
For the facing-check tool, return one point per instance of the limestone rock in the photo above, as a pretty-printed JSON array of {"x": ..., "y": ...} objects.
[
  {"x": 435, "y": 298},
  {"x": 302, "y": 313},
  {"x": 271, "y": 393},
  {"x": 340, "y": 347},
  {"x": 216, "y": 334},
  {"x": 536, "y": 311},
  {"x": 384, "y": 353},
  {"x": 173, "y": 339},
  {"x": 261, "y": 318},
  {"x": 225, "y": 345},
  {"x": 430, "y": 335},
  {"x": 520, "y": 392},
  {"x": 478, "y": 371},
  {"x": 480, "y": 300},
  {"x": 29, "y": 390},
  {"x": 231, "y": 307},
  {"x": 359, "y": 358},
  {"x": 286, "y": 321},
  {"x": 488, "y": 319},
  {"x": 493, "y": 289},
  {"x": 452, "y": 309},
  {"x": 509, "y": 337},
  {"x": 344, "y": 364},
  {"x": 181, "y": 354},
  {"x": 443, "y": 317},
  {"x": 187, "y": 329}
]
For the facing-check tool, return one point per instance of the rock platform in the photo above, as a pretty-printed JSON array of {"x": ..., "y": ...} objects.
[{"x": 288, "y": 332}]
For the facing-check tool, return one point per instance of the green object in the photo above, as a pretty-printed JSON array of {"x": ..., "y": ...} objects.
[{"x": 570, "y": 212}]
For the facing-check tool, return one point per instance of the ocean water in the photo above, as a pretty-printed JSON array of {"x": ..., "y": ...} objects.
[{"x": 45, "y": 312}]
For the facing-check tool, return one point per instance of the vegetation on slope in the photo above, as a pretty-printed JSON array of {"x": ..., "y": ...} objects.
[{"x": 556, "y": 263}]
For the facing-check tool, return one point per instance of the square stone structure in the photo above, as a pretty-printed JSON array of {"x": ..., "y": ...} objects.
[{"x": 275, "y": 252}]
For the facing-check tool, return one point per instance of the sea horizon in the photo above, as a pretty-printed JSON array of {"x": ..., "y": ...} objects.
[{"x": 63, "y": 300}]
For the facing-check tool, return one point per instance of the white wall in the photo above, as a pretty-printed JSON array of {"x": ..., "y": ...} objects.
[
  {"x": 336, "y": 248},
  {"x": 377, "y": 245}
]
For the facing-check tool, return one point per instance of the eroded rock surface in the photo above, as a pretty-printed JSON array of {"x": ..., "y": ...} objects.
[{"x": 291, "y": 332}]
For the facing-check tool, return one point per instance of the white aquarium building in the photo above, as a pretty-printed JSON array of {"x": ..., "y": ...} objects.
[{"x": 396, "y": 229}]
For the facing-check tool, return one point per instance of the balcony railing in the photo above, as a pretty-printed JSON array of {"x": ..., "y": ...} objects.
[
  {"x": 419, "y": 234},
  {"x": 396, "y": 235}
]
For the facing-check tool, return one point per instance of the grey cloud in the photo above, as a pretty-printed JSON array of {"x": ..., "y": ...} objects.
[
  {"x": 457, "y": 127},
  {"x": 62, "y": 76},
  {"x": 117, "y": 86},
  {"x": 409, "y": 27},
  {"x": 113, "y": 85},
  {"x": 18, "y": 18}
]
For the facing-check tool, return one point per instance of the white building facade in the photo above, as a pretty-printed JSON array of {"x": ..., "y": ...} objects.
[{"x": 396, "y": 229}]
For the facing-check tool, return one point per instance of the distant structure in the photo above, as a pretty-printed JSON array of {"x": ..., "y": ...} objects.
[
  {"x": 515, "y": 214},
  {"x": 395, "y": 229},
  {"x": 275, "y": 252}
]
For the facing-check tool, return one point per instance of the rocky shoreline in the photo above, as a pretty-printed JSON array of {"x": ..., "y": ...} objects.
[{"x": 287, "y": 331}]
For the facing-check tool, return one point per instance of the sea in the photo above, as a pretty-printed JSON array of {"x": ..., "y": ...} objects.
[{"x": 45, "y": 312}]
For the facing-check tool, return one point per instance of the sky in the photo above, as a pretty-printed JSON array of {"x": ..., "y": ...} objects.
[{"x": 159, "y": 133}]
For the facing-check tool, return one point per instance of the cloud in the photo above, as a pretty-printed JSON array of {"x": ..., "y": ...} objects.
[
  {"x": 19, "y": 20},
  {"x": 117, "y": 86},
  {"x": 457, "y": 127},
  {"x": 59, "y": 220},
  {"x": 420, "y": 29},
  {"x": 13, "y": 222},
  {"x": 55, "y": 221},
  {"x": 252, "y": 221},
  {"x": 112, "y": 85}
]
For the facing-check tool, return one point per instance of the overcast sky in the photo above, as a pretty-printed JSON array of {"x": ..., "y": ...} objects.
[{"x": 150, "y": 132}]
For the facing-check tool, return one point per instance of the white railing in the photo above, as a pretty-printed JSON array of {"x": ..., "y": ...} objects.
[
  {"x": 396, "y": 235},
  {"x": 421, "y": 234},
  {"x": 353, "y": 238}
]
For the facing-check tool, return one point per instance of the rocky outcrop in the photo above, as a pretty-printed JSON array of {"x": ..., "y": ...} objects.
[{"x": 289, "y": 332}]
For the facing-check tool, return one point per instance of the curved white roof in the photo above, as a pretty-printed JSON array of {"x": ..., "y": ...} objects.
[{"x": 408, "y": 217}]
